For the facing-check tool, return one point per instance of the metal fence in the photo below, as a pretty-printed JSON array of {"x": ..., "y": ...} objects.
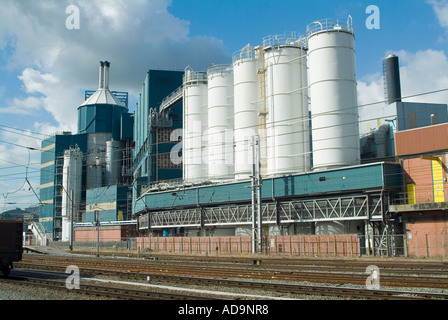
[
  {"x": 342, "y": 245},
  {"x": 411, "y": 245}
]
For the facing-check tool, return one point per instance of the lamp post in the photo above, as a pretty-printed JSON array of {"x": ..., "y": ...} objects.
[{"x": 97, "y": 222}]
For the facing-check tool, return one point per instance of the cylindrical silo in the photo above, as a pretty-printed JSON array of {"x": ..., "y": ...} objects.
[
  {"x": 96, "y": 146},
  {"x": 94, "y": 175},
  {"x": 220, "y": 122},
  {"x": 71, "y": 190},
  {"x": 96, "y": 157},
  {"x": 392, "y": 79},
  {"x": 287, "y": 118},
  {"x": 113, "y": 162},
  {"x": 247, "y": 102},
  {"x": 194, "y": 125},
  {"x": 332, "y": 88}
]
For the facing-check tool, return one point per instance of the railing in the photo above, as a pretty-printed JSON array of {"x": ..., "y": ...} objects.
[
  {"x": 330, "y": 24},
  {"x": 290, "y": 38},
  {"x": 248, "y": 52},
  {"x": 171, "y": 99},
  {"x": 219, "y": 68},
  {"x": 194, "y": 77},
  {"x": 42, "y": 238}
]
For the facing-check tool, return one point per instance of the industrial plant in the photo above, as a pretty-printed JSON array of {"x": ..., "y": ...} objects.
[{"x": 271, "y": 144}]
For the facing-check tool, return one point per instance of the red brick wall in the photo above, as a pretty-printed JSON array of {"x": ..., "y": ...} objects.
[
  {"x": 107, "y": 233},
  {"x": 419, "y": 172},
  {"x": 343, "y": 245},
  {"x": 427, "y": 234}
]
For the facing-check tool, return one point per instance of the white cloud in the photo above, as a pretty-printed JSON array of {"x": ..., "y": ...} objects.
[
  {"x": 58, "y": 64},
  {"x": 36, "y": 82},
  {"x": 23, "y": 106},
  {"x": 371, "y": 89},
  {"x": 17, "y": 164},
  {"x": 441, "y": 10},
  {"x": 56, "y": 98},
  {"x": 421, "y": 72}
]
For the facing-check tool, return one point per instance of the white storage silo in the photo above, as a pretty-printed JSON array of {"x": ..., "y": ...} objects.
[
  {"x": 332, "y": 88},
  {"x": 247, "y": 102},
  {"x": 220, "y": 122},
  {"x": 287, "y": 116},
  {"x": 113, "y": 162},
  {"x": 71, "y": 190},
  {"x": 194, "y": 125}
]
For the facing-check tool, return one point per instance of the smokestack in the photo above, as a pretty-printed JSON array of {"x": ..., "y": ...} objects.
[
  {"x": 392, "y": 87},
  {"x": 101, "y": 77},
  {"x": 106, "y": 74}
]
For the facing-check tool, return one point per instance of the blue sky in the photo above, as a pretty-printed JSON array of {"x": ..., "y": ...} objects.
[
  {"x": 45, "y": 67},
  {"x": 404, "y": 25}
]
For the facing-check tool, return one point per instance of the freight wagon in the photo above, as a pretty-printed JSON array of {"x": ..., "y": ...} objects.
[{"x": 11, "y": 238}]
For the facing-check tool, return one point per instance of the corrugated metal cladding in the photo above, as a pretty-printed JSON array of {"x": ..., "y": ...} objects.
[
  {"x": 126, "y": 126},
  {"x": 422, "y": 140},
  {"x": 101, "y": 118},
  {"x": 349, "y": 179},
  {"x": 51, "y": 179},
  {"x": 157, "y": 85},
  {"x": 110, "y": 201}
]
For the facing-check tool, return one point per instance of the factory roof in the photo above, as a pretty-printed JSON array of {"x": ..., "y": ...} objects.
[{"x": 103, "y": 96}]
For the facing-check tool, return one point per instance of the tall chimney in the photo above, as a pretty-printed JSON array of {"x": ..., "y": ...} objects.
[
  {"x": 101, "y": 77},
  {"x": 106, "y": 74},
  {"x": 392, "y": 85}
]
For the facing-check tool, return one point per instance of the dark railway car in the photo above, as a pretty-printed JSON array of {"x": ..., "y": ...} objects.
[{"x": 11, "y": 238}]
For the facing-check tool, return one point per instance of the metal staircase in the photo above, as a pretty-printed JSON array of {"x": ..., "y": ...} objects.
[{"x": 42, "y": 238}]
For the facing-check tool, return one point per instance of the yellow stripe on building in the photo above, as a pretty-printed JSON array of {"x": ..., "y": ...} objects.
[
  {"x": 47, "y": 185},
  {"x": 49, "y": 147},
  {"x": 102, "y": 206},
  {"x": 411, "y": 193},
  {"x": 47, "y": 164}
]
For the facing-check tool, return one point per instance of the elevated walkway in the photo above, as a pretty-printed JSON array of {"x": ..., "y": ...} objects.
[{"x": 173, "y": 98}]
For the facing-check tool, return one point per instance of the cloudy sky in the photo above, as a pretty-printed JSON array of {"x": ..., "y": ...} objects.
[{"x": 45, "y": 66}]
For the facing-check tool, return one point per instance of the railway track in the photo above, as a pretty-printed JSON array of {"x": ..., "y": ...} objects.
[
  {"x": 108, "y": 291},
  {"x": 319, "y": 275},
  {"x": 392, "y": 266},
  {"x": 217, "y": 276}
]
